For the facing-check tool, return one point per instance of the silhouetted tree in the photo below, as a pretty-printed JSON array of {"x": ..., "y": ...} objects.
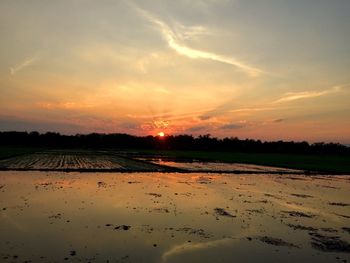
[{"x": 172, "y": 142}]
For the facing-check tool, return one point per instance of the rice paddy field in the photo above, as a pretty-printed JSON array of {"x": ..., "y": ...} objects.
[
  {"x": 75, "y": 161},
  {"x": 100, "y": 206}
]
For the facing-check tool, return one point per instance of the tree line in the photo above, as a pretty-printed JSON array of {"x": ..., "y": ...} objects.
[{"x": 171, "y": 142}]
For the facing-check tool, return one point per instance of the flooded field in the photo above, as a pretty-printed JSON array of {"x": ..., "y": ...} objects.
[
  {"x": 76, "y": 161},
  {"x": 200, "y": 166},
  {"x": 109, "y": 161},
  {"x": 173, "y": 217}
]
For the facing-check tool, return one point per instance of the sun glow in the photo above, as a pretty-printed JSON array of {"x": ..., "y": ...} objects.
[{"x": 161, "y": 134}]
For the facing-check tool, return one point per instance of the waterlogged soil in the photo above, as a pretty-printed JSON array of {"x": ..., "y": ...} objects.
[
  {"x": 173, "y": 217},
  {"x": 198, "y": 166}
]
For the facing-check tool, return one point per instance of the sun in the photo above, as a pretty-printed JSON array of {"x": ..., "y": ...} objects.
[{"x": 161, "y": 134}]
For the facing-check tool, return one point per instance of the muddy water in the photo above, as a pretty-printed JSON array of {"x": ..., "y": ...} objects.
[
  {"x": 217, "y": 166},
  {"x": 156, "y": 217}
]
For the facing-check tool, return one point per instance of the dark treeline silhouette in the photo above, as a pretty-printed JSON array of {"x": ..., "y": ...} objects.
[{"x": 176, "y": 142}]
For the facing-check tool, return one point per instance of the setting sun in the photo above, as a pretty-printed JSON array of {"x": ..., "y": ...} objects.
[{"x": 160, "y": 134}]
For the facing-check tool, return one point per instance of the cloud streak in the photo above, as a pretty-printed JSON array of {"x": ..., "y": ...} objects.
[
  {"x": 291, "y": 96},
  {"x": 24, "y": 64},
  {"x": 63, "y": 105},
  {"x": 207, "y": 116},
  {"x": 270, "y": 106},
  {"x": 231, "y": 126},
  {"x": 174, "y": 43}
]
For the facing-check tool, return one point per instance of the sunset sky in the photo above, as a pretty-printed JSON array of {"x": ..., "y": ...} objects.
[{"x": 262, "y": 69}]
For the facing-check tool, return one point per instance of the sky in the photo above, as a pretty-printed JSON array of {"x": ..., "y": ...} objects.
[{"x": 260, "y": 69}]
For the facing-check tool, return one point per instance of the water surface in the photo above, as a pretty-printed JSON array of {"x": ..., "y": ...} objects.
[{"x": 172, "y": 217}]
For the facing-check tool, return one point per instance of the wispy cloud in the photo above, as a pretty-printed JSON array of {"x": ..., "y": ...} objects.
[
  {"x": 189, "y": 32},
  {"x": 227, "y": 109},
  {"x": 170, "y": 115},
  {"x": 291, "y": 96},
  {"x": 216, "y": 119},
  {"x": 231, "y": 126},
  {"x": 23, "y": 64},
  {"x": 173, "y": 38},
  {"x": 253, "y": 109},
  {"x": 278, "y": 120},
  {"x": 63, "y": 105},
  {"x": 199, "y": 128},
  {"x": 270, "y": 106}
]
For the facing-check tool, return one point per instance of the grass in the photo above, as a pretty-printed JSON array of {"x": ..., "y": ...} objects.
[{"x": 320, "y": 163}]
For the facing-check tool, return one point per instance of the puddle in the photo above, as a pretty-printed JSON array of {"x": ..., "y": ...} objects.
[{"x": 217, "y": 166}]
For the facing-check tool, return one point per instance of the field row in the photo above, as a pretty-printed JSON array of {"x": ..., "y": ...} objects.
[{"x": 75, "y": 161}]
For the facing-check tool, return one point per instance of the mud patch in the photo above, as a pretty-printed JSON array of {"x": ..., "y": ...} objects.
[
  {"x": 275, "y": 241},
  {"x": 298, "y": 214},
  {"x": 338, "y": 204},
  {"x": 203, "y": 180},
  {"x": 302, "y": 195},
  {"x": 222, "y": 212},
  {"x": 327, "y": 186},
  {"x": 301, "y": 227},
  {"x": 57, "y": 216},
  {"x": 329, "y": 243},
  {"x": 346, "y": 229},
  {"x": 257, "y": 211},
  {"x": 295, "y": 178},
  {"x": 273, "y": 196},
  {"x": 161, "y": 210},
  {"x": 328, "y": 229},
  {"x": 122, "y": 227},
  {"x": 193, "y": 231},
  {"x": 119, "y": 227},
  {"x": 345, "y": 216},
  {"x": 101, "y": 185},
  {"x": 154, "y": 194}
]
